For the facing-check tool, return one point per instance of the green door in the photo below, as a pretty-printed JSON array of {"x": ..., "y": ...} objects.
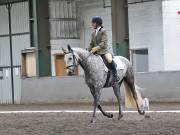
[{"x": 121, "y": 49}]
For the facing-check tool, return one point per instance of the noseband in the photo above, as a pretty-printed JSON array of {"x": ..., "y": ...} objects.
[{"x": 74, "y": 60}]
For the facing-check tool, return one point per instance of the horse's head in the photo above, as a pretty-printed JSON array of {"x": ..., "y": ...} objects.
[{"x": 70, "y": 59}]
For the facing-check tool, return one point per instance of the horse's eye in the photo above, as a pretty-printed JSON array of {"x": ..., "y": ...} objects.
[{"x": 70, "y": 58}]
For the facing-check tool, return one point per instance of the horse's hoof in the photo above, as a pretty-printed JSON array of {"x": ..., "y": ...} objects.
[
  {"x": 120, "y": 116},
  {"x": 110, "y": 116},
  {"x": 93, "y": 120},
  {"x": 141, "y": 112}
]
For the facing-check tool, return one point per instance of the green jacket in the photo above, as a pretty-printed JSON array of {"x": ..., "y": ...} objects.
[{"x": 99, "y": 40}]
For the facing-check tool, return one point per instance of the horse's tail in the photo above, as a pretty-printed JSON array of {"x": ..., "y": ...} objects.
[
  {"x": 131, "y": 101},
  {"x": 129, "y": 97},
  {"x": 133, "y": 97}
]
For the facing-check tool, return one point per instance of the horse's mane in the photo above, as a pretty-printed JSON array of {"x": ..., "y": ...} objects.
[{"x": 80, "y": 50}]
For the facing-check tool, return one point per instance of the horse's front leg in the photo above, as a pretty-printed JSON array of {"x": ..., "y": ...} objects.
[
  {"x": 117, "y": 93},
  {"x": 95, "y": 105},
  {"x": 94, "y": 111},
  {"x": 97, "y": 99},
  {"x": 96, "y": 94}
]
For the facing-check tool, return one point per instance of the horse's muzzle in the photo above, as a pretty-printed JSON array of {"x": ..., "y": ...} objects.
[{"x": 70, "y": 73}]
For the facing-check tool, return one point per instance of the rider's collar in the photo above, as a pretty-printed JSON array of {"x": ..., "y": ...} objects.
[{"x": 97, "y": 29}]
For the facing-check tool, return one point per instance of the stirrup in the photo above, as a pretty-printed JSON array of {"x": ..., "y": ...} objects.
[
  {"x": 115, "y": 82},
  {"x": 116, "y": 79}
]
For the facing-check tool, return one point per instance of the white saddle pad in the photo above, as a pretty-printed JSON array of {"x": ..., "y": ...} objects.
[{"x": 119, "y": 63}]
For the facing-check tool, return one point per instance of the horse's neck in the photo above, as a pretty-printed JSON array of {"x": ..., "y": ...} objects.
[
  {"x": 85, "y": 60},
  {"x": 83, "y": 55}
]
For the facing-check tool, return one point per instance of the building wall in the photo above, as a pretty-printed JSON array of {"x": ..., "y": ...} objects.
[
  {"x": 171, "y": 31},
  {"x": 19, "y": 14},
  {"x": 58, "y": 90},
  {"x": 59, "y": 11},
  {"x": 155, "y": 25},
  {"x": 146, "y": 31},
  {"x": 160, "y": 86},
  {"x": 74, "y": 89}
]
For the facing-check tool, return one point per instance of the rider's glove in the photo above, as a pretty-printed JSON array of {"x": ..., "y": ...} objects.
[{"x": 95, "y": 49}]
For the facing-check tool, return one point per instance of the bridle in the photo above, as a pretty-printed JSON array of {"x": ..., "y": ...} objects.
[{"x": 76, "y": 62}]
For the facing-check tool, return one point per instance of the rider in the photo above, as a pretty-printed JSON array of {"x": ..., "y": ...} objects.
[{"x": 99, "y": 45}]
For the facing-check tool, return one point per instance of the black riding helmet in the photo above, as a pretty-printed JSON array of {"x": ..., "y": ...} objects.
[{"x": 97, "y": 20}]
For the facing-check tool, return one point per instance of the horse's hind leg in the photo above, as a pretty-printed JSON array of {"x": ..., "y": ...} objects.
[
  {"x": 129, "y": 79},
  {"x": 117, "y": 93}
]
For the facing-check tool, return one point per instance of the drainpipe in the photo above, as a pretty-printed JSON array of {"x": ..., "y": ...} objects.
[{"x": 8, "y": 6}]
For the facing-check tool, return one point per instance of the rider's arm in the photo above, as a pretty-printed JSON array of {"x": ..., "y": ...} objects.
[
  {"x": 103, "y": 43},
  {"x": 91, "y": 43}
]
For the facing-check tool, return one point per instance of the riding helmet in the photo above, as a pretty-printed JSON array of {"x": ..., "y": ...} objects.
[{"x": 97, "y": 20}]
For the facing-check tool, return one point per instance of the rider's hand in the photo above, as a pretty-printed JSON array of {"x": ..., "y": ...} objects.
[{"x": 95, "y": 49}]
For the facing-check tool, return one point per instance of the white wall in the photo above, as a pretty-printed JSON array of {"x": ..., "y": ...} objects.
[
  {"x": 156, "y": 25},
  {"x": 59, "y": 89},
  {"x": 171, "y": 30},
  {"x": 145, "y": 31}
]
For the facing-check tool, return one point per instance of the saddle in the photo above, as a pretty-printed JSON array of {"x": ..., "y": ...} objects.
[{"x": 119, "y": 64}]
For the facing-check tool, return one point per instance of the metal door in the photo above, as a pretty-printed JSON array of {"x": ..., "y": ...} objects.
[{"x": 14, "y": 37}]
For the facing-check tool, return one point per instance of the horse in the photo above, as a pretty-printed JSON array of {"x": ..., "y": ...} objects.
[{"x": 97, "y": 77}]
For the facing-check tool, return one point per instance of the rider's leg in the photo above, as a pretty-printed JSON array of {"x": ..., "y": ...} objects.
[
  {"x": 105, "y": 60},
  {"x": 112, "y": 66}
]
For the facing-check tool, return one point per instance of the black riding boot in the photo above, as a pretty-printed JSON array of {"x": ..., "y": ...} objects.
[{"x": 114, "y": 71}]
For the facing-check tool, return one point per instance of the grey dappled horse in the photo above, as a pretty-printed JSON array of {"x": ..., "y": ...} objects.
[{"x": 96, "y": 76}]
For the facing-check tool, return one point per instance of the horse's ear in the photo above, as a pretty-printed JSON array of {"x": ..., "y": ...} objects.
[
  {"x": 69, "y": 48},
  {"x": 64, "y": 51}
]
